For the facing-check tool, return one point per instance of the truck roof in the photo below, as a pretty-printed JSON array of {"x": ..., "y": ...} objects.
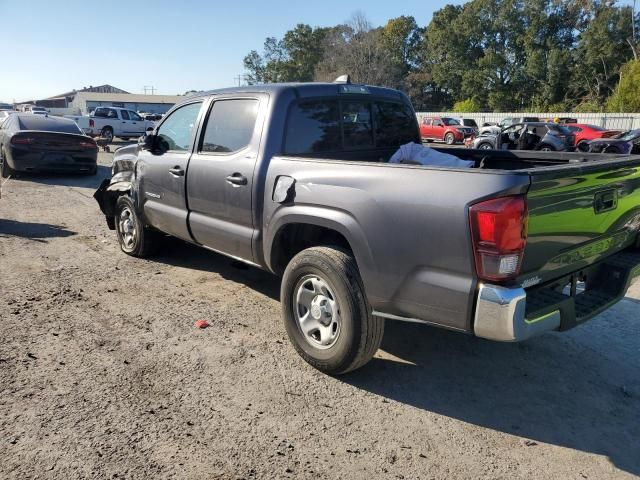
[{"x": 306, "y": 89}]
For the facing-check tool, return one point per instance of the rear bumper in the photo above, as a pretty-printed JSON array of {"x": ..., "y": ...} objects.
[{"x": 512, "y": 314}]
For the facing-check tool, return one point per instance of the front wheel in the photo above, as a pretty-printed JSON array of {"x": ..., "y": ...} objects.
[
  {"x": 449, "y": 139},
  {"x": 546, "y": 148},
  {"x": 134, "y": 238},
  {"x": 326, "y": 313},
  {"x": 485, "y": 146}
]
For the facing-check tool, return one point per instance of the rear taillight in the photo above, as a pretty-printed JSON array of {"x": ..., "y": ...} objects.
[
  {"x": 499, "y": 233},
  {"x": 91, "y": 123},
  {"x": 88, "y": 144},
  {"x": 22, "y": 140}
]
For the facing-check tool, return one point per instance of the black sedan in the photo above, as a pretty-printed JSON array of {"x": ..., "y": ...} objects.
[
  {"x": 39, "y": 143},
  {"x": 625, "y": 143}
]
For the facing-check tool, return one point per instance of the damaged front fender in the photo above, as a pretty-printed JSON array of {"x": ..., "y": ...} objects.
[{"x": 107, "y": 195}]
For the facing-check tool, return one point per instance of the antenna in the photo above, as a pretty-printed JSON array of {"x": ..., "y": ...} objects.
[{"x": 343, "y": 79}]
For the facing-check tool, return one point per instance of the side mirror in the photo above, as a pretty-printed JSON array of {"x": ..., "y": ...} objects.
[{"x": 147, "y": 141}]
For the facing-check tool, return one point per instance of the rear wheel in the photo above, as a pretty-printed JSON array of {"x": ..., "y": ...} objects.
[
  {"x": 5, "y": 169},
  {"x": 449, "y": 138},
  {"x": 326, "y": 313},
  {"x": 107, "y": 133},
  {"x": 485, "y": 146},
  {"x": 134, "y": 238},
  {"x": 546, "y": 148}
]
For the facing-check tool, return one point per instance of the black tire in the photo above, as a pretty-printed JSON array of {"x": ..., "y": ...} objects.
[
  {"x": 5, "y": 169},
  {"x": 546, "y": 148},
  {"x": 449, "y": 138},
  {"x": 107, "y": 132},
  {"x": 126, "y": 139},
  {"x": 583, "y": 146},
  {"x": 145, "y": 241},
  {"x": 485, "y": 146},
  {"x": 359, "y": 332}
]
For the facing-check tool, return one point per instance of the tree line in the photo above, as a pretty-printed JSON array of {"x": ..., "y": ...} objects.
[{"x": 485, "y": 55}]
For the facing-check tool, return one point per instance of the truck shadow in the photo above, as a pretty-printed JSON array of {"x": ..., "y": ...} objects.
[
  {"x": 561, "y": 389},
  {"x": 67, "y": 180},
  {"x": 32, "y": 231},
  {"x": 197, "y": 258}
]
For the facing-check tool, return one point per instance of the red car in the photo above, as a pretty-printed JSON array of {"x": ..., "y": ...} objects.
[
  {"x": 444, "y": 129},
  {"x": 584, "y": 132}
]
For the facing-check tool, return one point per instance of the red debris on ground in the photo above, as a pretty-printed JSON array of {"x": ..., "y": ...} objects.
[{"x": 202, "y": 324}]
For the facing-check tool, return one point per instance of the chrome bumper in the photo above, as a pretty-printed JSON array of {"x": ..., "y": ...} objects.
[{"x": 500, "y": 315}]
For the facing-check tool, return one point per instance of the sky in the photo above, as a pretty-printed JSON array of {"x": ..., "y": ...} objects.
[{"x": 50, "y": 47}]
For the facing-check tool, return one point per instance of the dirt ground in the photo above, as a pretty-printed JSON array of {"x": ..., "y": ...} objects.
[{"x": 103, "y": 374}]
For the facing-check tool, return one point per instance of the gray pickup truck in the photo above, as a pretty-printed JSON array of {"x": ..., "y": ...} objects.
[{"x": 296, "y": 179}]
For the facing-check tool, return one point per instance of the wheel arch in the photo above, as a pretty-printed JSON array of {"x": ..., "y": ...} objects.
[{"x": 292, "y": 232}]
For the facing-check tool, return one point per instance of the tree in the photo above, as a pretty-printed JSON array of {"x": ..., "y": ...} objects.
[
  {"x": 601, "y": 50},
  {"x": 466, "y": 106},
  {"x": 402, "y": 37},
  {"x": 626, "y": 97},
  {"x": 358, "y": 49},
  {"x": 292, "y": 59}
]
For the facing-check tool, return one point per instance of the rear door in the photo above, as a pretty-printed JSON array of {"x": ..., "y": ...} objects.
[
  {"x": 161, "y": 172},
  {"x": 220, "y": 180},
  {"x": 425, "y": 128},
  {"x": 125, "y": 123}
]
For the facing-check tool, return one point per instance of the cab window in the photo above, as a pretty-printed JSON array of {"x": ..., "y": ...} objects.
[
  {"x": 230, "y": 125},
  {"x": 134, "y": 116},
  {"x": 176, "y": 132},
  {"x": 125, "y": 115}
]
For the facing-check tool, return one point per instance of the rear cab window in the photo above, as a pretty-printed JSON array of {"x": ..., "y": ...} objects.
[
  {"x": 230, "y": 125},
  {"x": 333, "y": 125}
]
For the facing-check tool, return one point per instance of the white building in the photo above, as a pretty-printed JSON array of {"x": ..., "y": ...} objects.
[{"x": 77, "y": 102}]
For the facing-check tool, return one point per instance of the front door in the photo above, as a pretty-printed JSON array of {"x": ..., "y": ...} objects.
[
  {"x": 161, "y": 171},
  {"x": 220, "y": 179},
  {"x": 136, "y": 124},
  {"x": 438, "y": 129}
]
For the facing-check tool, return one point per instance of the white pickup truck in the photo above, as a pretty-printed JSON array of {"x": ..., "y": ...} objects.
[{"x": 110, "y": 122}]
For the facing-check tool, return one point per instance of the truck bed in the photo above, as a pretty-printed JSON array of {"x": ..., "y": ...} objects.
[{"x": 418, "y": 260}]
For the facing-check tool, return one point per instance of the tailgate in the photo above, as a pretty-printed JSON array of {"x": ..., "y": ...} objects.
[{"x": 579, "y": 215}]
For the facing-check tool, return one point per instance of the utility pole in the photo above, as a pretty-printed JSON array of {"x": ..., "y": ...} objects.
[
  {"x": 149, "y": 88},
  {"x": 240, "y": 79}
]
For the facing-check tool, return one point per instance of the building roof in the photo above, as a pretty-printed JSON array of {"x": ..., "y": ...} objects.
[
  {"x": 128, "y": 97},
  {"x": 100, "y": 88}
]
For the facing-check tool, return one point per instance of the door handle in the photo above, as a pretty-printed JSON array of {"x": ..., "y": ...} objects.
[
  {"x": 237, "y": 179},
  {"x": 177, "y": 171}
]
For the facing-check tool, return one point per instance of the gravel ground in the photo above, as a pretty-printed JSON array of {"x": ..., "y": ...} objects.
[{"x": 103, "y": 374}]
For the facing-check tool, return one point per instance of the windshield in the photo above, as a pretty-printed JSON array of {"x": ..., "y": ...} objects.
[
  {"x": 630, "y": 135},
  {"x": 469, "y": 122},
  {"x": 450, "y": 122}
]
